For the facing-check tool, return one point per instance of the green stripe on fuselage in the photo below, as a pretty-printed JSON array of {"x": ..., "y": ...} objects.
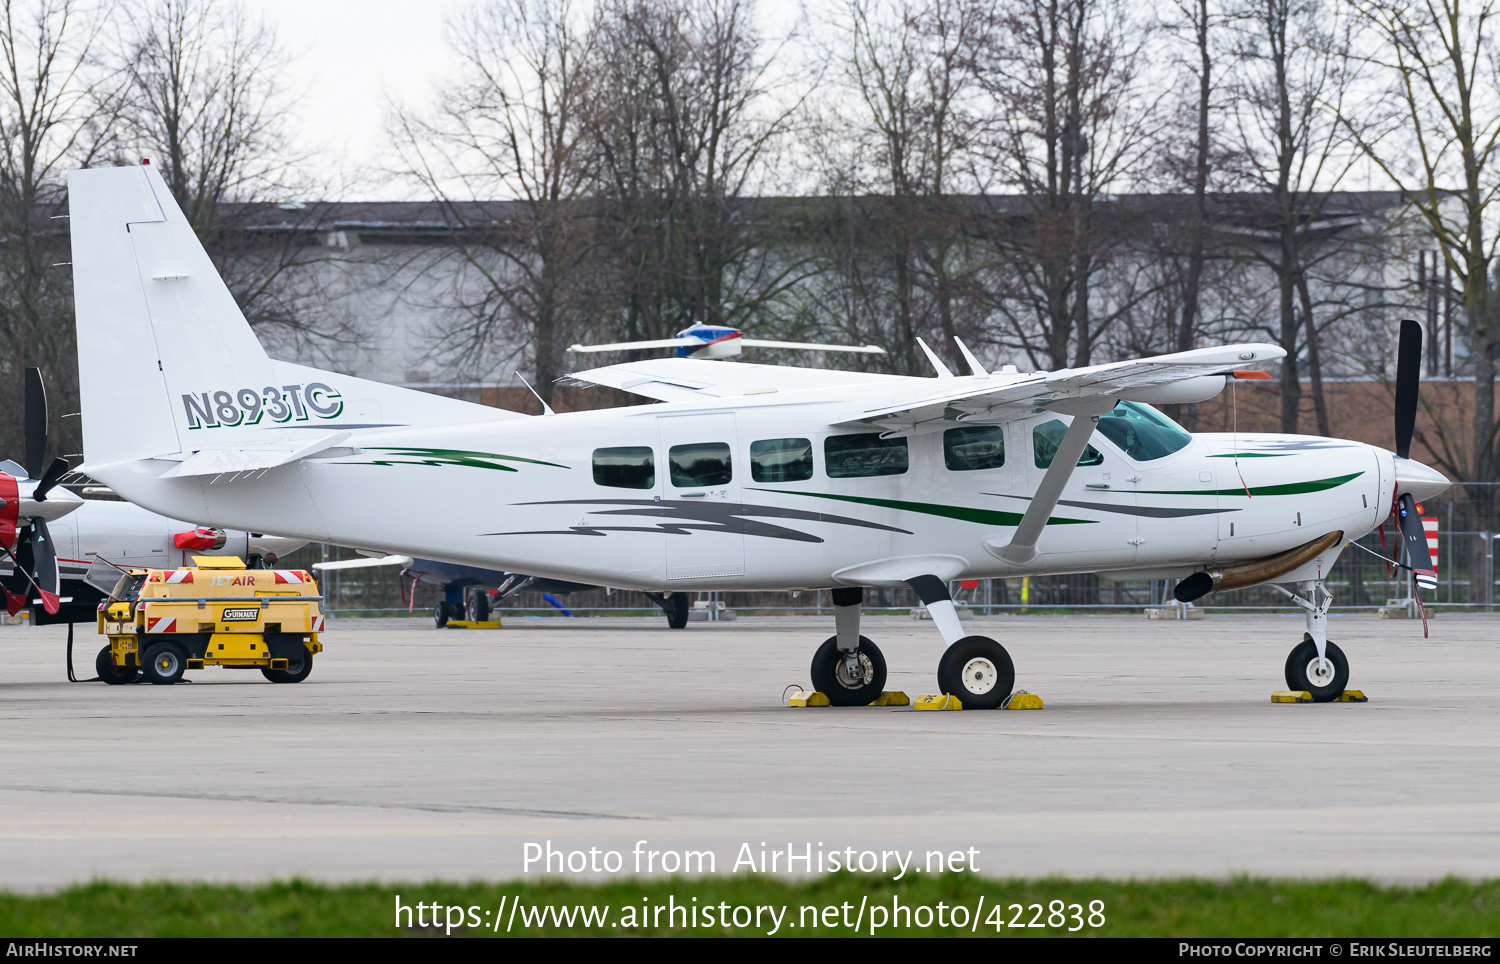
[
  {"x": 989, "y": 517},
  {"x": 1286, "y": 488}
]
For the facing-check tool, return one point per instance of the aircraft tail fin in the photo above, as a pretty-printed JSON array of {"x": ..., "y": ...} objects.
[{"x": 167, "y": 362}]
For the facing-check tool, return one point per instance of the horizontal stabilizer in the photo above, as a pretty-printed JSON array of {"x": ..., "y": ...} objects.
[{"x": 251, "y": 456}]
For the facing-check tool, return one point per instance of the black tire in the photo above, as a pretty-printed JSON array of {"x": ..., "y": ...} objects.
[
  {"x": 978, "y": 671},
  {"x": 294, "y": 672},
  {"x": 828, "y": 675},
  {"x": 1300, "y": 659},
  {"x": 109, "y": 672},
  {"x": 676, "y": 607},
  {"x": 478, "y": 605},
  {"x": 440, "y": 615},
  {"x": 164, "y": 663}
]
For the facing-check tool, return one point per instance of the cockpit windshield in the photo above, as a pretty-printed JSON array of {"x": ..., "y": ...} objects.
[{"x": 1142, "y": 432}]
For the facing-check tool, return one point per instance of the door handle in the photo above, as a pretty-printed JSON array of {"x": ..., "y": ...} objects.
[
  {"x": 693, "y": 495},
  {"x": 1097, "y": 485}
]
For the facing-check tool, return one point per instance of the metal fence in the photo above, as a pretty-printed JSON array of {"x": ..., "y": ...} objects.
[{"x": 1360, "y": 580}]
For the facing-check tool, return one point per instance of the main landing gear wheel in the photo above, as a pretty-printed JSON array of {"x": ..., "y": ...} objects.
[
  {"x": 1325, "y": 682},
  {"x": 109, "y": 672},
  {"x": 165, "y": 663},
  {"x": 478, "y": 605},
  {"x": 295, "y": 672},
  {"x": 844, "y": 685},
  {"x": 978, "y": 671},
  {"x": 676, "y": 606}
]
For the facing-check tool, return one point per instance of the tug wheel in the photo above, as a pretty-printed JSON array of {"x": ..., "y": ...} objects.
[
  {"x": 1325, "y": 682},
  {"x": 831, "y": 674},
  {"x": 440, "y": 615},
  {"x": 164, "y": 663},
  {"x": 978, "y": 671},
  {"x": 296, "y": 670},
  {"x": 114, "y": 675}
]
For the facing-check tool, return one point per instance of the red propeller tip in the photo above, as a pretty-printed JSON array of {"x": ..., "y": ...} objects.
[{"x": 51, "y": 601}]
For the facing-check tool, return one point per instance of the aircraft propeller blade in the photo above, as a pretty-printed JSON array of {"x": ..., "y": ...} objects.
[
  {"x": 1408, "y": 378},
  {"x": 34, "y": 414},
  {"x": 1418, "y": 556},
  {"x": 34, "y": 564},
  {"x": 55, "y": 471}
]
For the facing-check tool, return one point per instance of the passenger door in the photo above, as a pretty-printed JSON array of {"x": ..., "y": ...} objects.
[{"x": 701, "y": 488}]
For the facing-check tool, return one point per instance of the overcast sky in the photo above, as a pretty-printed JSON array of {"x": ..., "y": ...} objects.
[{"x": 351, "y": 56}]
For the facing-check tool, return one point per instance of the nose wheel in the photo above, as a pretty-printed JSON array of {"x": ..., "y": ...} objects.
[
  {"x": 978, "y": 671},
  {"x": 1324, "y": 678}
]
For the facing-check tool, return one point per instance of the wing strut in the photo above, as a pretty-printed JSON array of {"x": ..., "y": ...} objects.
[{"x": 1086, "y": 412}]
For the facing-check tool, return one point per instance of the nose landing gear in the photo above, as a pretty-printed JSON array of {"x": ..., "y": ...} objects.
[{"x": 1315, "y": 664}]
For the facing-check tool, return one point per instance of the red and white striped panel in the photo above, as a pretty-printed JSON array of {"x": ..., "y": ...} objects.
[
  {"x": 180, "y": 576},
  {"x": 1431, "y": 527},
  {"x": 317, "y": 624},
  {"x": 165, "y": 624},
  {"x": 290, "y": 576}
]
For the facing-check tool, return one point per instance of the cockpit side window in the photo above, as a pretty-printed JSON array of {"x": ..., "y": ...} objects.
[{"x": 1045, "y": 439}]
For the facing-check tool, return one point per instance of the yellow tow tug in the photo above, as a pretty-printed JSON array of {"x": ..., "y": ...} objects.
[{"x": 162, "y": 622}]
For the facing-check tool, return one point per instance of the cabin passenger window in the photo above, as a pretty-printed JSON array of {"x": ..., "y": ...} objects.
[
  {"x": 781, "y": 460},
  {"x": 1045, "y": 439},
  {"x": 974, "y": 448},
  {"x": 700, "y": 463},
  {"x": 629, "y": 467},
  {"x": 861, "y": 456},
  {"x": 1143, "y": 432}
]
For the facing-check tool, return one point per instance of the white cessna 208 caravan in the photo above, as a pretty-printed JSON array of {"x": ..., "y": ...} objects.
[{"x": 746, "y": 477}]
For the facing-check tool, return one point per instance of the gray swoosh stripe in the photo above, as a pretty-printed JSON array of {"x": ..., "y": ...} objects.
[{"x": 1145, "y": 511}]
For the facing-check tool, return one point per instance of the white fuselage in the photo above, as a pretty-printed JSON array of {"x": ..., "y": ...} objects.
[{"x": 520, "y": 494}]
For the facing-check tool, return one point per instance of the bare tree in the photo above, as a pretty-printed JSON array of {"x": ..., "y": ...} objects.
[
  {"x": 207, "y": 103},
  {"x": 685, "y": 126},
  {"x": 905, "y": 66},
  {"x": 511, "y": 126},
  {"x": 1072, "y": 121},
  {"x": 1437, "y": 140},
  {"x": 55, "y": 104},
  {"x": 1292, "y": 73}
]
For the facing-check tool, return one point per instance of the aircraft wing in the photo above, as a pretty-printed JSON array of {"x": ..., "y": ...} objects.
[
  {"x": 1003, "y": 396},
  {"x": 685, "y": 379}
]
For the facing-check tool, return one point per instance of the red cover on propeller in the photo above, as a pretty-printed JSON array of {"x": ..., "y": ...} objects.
[
  {"x": 199, "y": 539},
  {"x": 10, "y": 512}
]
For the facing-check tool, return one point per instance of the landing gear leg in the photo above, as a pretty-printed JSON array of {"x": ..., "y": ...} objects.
[
  {"x": 1315, "y": 665},
  {"x": 976, "y": 669},
  {"x": 848, "y": 668}
]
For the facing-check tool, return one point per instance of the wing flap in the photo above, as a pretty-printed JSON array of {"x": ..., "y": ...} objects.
[
  {"x": 1001, "y": 397},
  {"x": 685, "y": 379}
]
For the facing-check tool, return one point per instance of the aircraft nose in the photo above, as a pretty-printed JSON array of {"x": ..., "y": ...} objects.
[{"x": 1423, "y": 482}]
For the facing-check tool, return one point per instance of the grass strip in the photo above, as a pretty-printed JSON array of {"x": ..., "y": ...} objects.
[{"x": 827, "y": 906}]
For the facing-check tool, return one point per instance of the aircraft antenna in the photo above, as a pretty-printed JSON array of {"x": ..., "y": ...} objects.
[
  {"x": 546, "y": 409},
  {"x": 1234, "y": 433},
  {"x": 942, "y": 370}
]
